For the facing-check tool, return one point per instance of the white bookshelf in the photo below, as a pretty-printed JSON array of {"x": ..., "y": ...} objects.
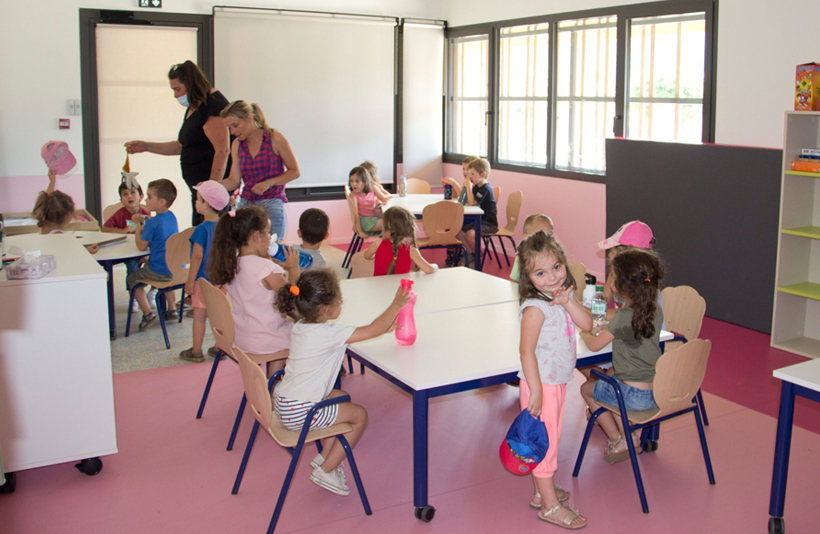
[{"x": 796, "y": 315}]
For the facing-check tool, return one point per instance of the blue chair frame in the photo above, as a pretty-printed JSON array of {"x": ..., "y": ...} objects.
[
  {"x": 645, "y": 428},
  {"x": 296, "y": 453},
  {"x": 161, "y": 306}
]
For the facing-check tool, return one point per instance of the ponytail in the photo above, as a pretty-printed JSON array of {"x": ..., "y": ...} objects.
[
  {"x": 402, "y": 226},
  {"x": 232, "y": 232},
  {"x": 305, "y": 299},
  {"x": 638, "y": 275}
]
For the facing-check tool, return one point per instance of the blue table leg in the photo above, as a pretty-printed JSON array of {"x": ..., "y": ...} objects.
[
  {"x": 477, "y": 250},
  {"x": 112, "y": 318},
  {"x": 782, "y": 450},
  {"x": 420, "y": 405}
]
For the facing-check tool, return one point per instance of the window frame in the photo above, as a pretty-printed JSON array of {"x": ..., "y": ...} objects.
[{"x": 624, "y": 14}]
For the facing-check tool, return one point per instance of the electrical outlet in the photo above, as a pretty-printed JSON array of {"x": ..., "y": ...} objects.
[{"x": 70, "y": 107}]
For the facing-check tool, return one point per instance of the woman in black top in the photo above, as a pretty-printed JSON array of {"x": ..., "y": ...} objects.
[{"x": 203, "y": 144}]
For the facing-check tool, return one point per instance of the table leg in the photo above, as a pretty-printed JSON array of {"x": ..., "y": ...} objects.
[
  {"x": 423, "y": 511},
  {"x": 781, "y": 451},
  {"x": 478, "y": 242},
  {"x": 112, "y": 318}
]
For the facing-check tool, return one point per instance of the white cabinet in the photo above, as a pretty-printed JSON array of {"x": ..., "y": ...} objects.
[
  {"x": 796, "y": 316},
  {"x": 56, "y": 386}
]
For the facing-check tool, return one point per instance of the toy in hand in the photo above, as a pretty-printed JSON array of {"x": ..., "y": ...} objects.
[
  {"x": 129, "y": 178},
  {"x": 58, "y": 157}
]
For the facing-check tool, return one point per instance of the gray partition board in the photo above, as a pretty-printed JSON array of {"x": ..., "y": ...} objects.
[{"x": 714, "y": 212}]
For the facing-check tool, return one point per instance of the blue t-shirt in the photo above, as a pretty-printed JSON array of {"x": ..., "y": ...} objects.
[
  {"x": 203, "y": 236},
  {"x": 157, "y": 230}
]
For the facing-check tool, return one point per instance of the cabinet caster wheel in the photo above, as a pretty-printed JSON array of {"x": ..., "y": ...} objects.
[
  {"x": 10, "y": 485},
  {"x": 90, "y": 466},
  {"x": 113, "y": 336},
  {"x": 426, "y": 514},
  {"x": 651, "y": 445},
  {"x": 776, "y": 525}
]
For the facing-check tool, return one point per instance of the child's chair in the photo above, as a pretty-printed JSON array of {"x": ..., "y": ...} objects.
[
  {"x": 678, "y": 376},
  {"x": 513, "y": 212},
  {"x": 111, "y": 210},
  {"x": 417, "y": 187},
  {"x": 442, "y": 222},
  {"x": 177, "y": 258},
  {"x": 224, "y": 329},
  {"x": 357, "y": 240},
  {"x": 578, "y": 270},
  {"x": 361, "y": 267},
  {"x": 257, "y": 390},
  {"x": 683, "y": 310}
]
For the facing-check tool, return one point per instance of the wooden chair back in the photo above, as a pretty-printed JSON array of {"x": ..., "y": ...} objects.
[
  {"x": 110, "y": 210},
  {"x": 219, "y": 315},
  {"x": 513, "y": 211},
  {"x": 417, "y": 187},
  {"x": 578, "y": 271},
  {"x": 442, "y": 221},
  {"x": 177, "y": 258},
  {"x": 360, "y": 267},
  {"x": 679, "y": 375},
  {"x": 683, "y": 309},
  {"x": 497, "y": 193}
]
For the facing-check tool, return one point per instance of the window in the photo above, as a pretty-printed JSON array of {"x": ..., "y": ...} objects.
[
  {"x": 467, "y": 105},
  {"x": 541, "y": 95},
  {"x": 666, "y": 78}
]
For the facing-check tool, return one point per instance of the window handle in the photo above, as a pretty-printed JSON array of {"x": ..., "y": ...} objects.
[
  {"x": 615, "y": 123},
  {"x": 486, "y": 116}
]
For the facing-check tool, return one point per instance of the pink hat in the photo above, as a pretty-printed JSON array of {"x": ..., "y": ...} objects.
[
  {"x": 214, "y": 194},
  {"x": 58, "y": 157},
  {"x": 631, "y": 234}
]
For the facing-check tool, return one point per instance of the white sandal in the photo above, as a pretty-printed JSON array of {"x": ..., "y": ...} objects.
[
  {"x": 537, "y": 505},
  {"x": 566, "y": 523}
]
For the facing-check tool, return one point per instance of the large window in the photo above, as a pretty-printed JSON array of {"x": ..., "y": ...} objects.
[{"x": 542, "y": 95}]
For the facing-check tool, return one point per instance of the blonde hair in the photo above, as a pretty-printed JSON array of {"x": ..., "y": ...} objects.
[
  {"x": 371, "y": 168},
  {"x": 480, "y": 165},
  {"x": 469, "y": 159},
  {"x": 53, "y": 208},
  {"x": 402, "y": 227},
  {"x": 363, "y": 175},
  {"x": 534, "y": 219},
  {"x": 539, "y": 244},
  {"x": 242, "y": 110}
]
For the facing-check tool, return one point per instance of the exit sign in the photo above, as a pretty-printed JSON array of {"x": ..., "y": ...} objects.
[{"x": 151, "y": 3}]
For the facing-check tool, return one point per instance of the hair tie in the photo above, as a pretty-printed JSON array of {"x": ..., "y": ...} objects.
[
  {"x": 648, "y": 281},
  {"x": 294, "y": 290},
  {"x": 232, "y": 213}
]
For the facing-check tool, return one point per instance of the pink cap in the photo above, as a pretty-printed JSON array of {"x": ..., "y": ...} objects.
[
  {"x": 58, "y": 157},
  {"x": 631, "y": 234},
  {"x": 214, "y": 194},
  {"x": 406, "y": 283}
]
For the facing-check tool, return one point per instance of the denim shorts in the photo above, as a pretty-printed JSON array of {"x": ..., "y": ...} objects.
[
  {"x": 276, "y": 211},
  {"x": 634, "y": 399}
]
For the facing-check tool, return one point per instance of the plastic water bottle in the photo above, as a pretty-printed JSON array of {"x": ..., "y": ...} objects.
[
  {"x": 406, "y": 323},
  {"x": 278, "y": 253},
  {"x": 403, "y": 185},
  {"x": 598, "y": 307},
  {"x": 448, "y": 192},
  {"x": 589, "y": 289}
]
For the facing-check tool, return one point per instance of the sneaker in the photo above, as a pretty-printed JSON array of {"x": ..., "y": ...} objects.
[
  {"x": 330, "y": 481},
  {"x": 152, "y": 299},
  {"x": 191, "y": 356},
  {"x": 213, "y": 351},
  {"x": 317, "y": 461}
]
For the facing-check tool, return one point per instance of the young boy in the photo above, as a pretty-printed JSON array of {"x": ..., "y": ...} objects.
[
  {"x": 314, "y": 225},
  {"x": 121, "y": 222},
  {"x": 532, "y": 224},
  {"x": 211, "y": 199},
  {"x": 151, "y": 234},
  {"x": 478, "y": 171}
]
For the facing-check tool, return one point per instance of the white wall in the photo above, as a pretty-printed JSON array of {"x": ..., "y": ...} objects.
[{"x": 759, "y": 44}]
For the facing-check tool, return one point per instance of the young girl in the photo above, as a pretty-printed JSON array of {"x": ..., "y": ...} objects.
[
  {"x": 547, "y": 346},
  {"x": 634, "y": 332},
  {"x": 54, "y": 210},
  {"x": 239, "y": 258},
  {"x": 371, "y": 168},
  {"x": 316, "y": 352},
  {"x": 368, "y": 197},
  {"x": 396, "y": 251}
]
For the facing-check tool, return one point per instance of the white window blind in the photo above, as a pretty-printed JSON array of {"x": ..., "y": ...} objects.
[{"x": 325, "y": 81}]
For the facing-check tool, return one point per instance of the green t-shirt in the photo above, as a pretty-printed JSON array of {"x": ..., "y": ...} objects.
[
  {"x": 634, "y": 360},
  {"x": 515, "y": 272}
]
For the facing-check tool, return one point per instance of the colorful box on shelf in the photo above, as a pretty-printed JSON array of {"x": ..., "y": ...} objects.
[
  {"x": 807, "y": 87},
  {"x": 22, "y": 223},
  {"x": 810, "y": 153},
  {"x": 801, "y": 165}
]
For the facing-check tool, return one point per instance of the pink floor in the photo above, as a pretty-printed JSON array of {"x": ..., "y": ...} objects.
[{"x": 172, "y": 473}]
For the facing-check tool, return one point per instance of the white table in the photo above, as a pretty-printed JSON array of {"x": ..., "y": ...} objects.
[
  {"x": 56, "y": 387},
  {"x": 801, "y": 379},
  {"x": 415, "y": 204},
  {"x": 444, "y": 361},
  {"x": 108, "y": 256}
]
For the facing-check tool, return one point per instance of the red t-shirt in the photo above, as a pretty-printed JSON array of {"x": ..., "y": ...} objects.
[
  {"x": 122, "y": 219},
  {"x": 384, "y": 257}
]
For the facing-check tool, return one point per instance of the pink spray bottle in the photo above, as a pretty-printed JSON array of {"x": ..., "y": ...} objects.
[{"x": 406, "y": 323}]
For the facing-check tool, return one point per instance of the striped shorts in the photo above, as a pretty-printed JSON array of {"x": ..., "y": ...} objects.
[{"x": 292, "y": 413}]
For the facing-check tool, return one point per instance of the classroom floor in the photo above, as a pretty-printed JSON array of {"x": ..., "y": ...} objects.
[{"x": 173, "y": 474}]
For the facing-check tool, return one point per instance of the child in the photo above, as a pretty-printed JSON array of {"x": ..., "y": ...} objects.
[
  {"x": 634, "y": 234},
  {"x": 368, "y": 197},
  {"x": 371, "y": 168},
  {"x": 459, "y": 190},
  {"x": 211, "y": 199},
  {"x": 634, "y": 332},
  {"x": 481, "y": 194},
  {"x": 121, "y": 221},
  {"x": 239, "y": 258},
  {"x": 532, "y": 224},
  {"x": 54, "y": 210},
  {"x": 396, "y": 252},
  {"x": 316, "y": 352},
  {"x": 314, "y": 225},
  {"x": 548, "y": 310},
  {"x": 151, "y": 234}
]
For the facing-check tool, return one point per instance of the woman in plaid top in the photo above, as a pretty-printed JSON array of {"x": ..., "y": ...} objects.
[{"x": 261, "y": 159}]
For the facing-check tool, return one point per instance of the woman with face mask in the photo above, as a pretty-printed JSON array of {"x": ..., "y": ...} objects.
[{"x": 203, "y": 143}]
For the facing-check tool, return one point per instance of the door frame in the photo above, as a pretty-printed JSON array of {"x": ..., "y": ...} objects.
[{"x": 89, "y": 18}]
